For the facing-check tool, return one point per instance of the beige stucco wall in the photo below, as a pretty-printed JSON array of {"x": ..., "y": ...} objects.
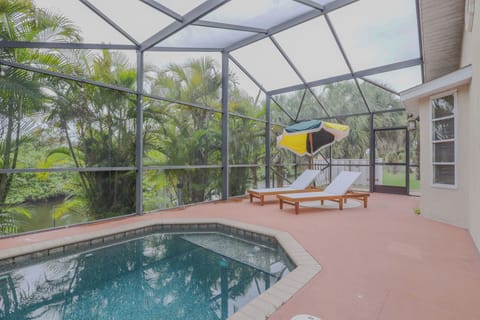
[
  {"x": 448, "y": 205},
  {"x": 471, "y": 55},
  {"x": 459, "y": 206}
]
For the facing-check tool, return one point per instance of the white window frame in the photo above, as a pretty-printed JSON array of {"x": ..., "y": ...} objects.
[{"x": 454, "y": 140}]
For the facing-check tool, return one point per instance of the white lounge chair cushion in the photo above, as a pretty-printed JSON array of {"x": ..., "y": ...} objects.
[
  {"x": 301, "y": 183},
  {"x": 305, "y": 179},
  {"x": 342, "y": 182},
  {"x": 338, "y": 187}
]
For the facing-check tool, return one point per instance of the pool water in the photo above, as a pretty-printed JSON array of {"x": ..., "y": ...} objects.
[{"x": 159, "y": 276}]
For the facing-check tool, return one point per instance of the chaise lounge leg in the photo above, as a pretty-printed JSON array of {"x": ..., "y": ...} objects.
[
  {"x": 340, "y": 204},
  {"x": 281, "y": 204},
  {"x": 365, "y": 200},
  {"x": 262, "y": 197},
  {"x": 297, "y": 205}
]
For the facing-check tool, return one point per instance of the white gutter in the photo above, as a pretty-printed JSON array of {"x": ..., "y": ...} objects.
[{"x": 410, "y": 97}]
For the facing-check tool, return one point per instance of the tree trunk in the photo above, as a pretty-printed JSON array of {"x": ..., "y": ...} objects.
[{"x": 4, "y": 178}]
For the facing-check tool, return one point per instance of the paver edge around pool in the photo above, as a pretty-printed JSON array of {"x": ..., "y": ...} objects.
[{"x": 259, "y": 308}]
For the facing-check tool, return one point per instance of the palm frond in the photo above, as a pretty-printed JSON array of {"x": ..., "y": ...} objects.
[{"x": 75, "y": 205}]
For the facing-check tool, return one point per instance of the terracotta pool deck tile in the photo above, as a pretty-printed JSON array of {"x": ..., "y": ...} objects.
[{"x": 383, "y": 262}]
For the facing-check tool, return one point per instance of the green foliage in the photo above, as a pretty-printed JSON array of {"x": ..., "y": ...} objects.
[
  {"x": 21, "y": 91},
  {"x": 11, "y": 218},
  {"x": 28, "y": 188},
  {"x": 247, "y": 146},
  {"x": 99, "y": 127},
  {"x": 55, "y": 157},
  {"x": 71, "y": 206},
  {"x": 33, "y": 187},
  {"x": 181, "y": 135}
]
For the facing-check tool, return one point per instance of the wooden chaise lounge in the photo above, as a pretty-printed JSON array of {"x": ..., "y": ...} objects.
[
  {"x": 299, "y": 185},
  {"x": 295, "y": 199},
  {"x": 337, "y": 191}
]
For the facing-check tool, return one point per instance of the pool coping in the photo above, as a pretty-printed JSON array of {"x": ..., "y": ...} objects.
[{"x": 259, "y": 308}]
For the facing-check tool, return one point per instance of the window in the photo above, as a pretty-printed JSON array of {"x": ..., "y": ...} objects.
[{"x": 443, "y": 113}]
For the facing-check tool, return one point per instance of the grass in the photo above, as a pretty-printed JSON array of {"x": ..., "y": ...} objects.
[{"x": 398, "y": 179}]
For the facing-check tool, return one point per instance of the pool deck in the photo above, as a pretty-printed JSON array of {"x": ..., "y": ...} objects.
[{"x": 383, "y": 262}]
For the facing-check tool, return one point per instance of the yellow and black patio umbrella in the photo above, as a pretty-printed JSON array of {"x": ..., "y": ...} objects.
[{"x": 309, "y": 137}]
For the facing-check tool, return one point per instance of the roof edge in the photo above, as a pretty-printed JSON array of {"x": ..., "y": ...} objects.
[{"x": 451, "y": 80}]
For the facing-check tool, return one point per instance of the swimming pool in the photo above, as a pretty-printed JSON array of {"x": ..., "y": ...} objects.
[{"x": 156, "y": 276}]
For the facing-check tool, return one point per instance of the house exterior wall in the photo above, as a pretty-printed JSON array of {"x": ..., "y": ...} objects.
[
  {"x": 470, "y": 55},
  {"x": 460, "y": 204},
  {"x": 448, "y": 205}
]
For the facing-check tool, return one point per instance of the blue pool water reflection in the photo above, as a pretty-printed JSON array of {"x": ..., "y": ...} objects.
[{"x": 159, "y": 276}]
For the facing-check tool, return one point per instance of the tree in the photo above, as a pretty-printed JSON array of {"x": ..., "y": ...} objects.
[
  {"x": 176, "y": 134},
  {"x": 247, "y": 139},
  {"x": 20, "y": 90},
  {"x": 99, "y": 126}
]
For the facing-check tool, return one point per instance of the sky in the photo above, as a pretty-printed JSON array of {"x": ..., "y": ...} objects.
[{"x": 372, "y": 33}]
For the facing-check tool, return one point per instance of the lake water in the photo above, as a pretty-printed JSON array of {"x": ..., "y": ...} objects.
[{"x": 42, "y": 216}]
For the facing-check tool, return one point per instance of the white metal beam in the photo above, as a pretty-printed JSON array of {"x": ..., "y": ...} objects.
[
  {"x": 110, "y": 21},
  {"x": 290, "y": 23},
  {"x": 194, "y": 15}
]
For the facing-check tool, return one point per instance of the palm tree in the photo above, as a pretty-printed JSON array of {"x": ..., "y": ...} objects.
[
  {"x": 20, "y": 90},
  {"x": 184, "y": 135},
  {"x": 99, "y": 127},
  {"x": 180, "y": 135},
  {"x": 247, "y": 139}
]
